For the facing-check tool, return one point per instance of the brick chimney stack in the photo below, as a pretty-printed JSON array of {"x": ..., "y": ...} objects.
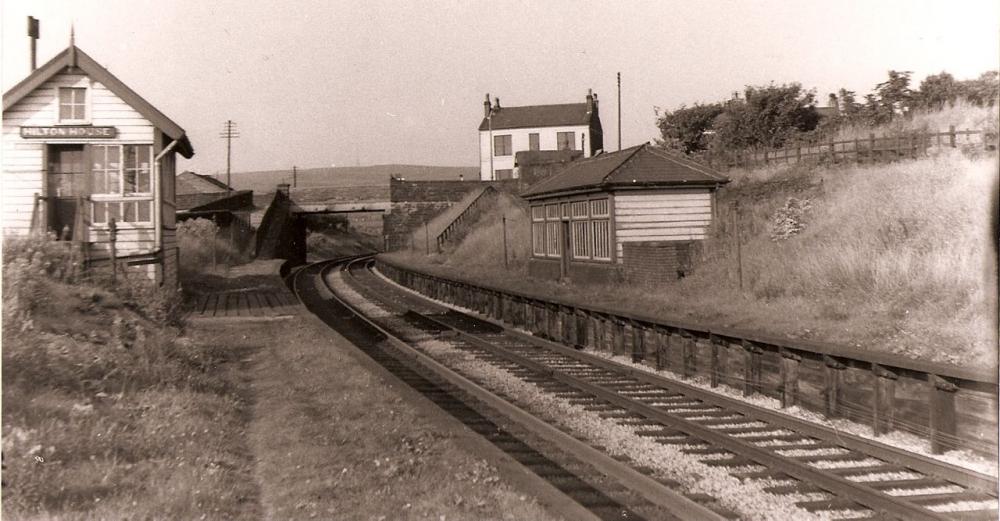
[
  {"x": 486, "y": 106},
  {"x": 590, "y": 101}
]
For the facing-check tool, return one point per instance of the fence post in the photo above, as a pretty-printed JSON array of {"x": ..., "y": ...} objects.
[
  {"x": 751, "y": 368},
  {"x": 943, "y": 419},
  {"x": 951, "y": 135},
  {"x": 871, "y": 147},
  {"x": 688, "y": 353},
  {"x": 638, "y": 344},
  {"x": 833, "y": 389},
  {"x": 505, "y": 262},
  {"x": 789, "y": 378},
  {"x": 113, "y": 238},
  {"x": 883, "y": 411}
]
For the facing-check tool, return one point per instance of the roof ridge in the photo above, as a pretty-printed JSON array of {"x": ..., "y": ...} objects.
[
  {"x": 694, "y": 165},
  {"x": 623, "y": 161}
]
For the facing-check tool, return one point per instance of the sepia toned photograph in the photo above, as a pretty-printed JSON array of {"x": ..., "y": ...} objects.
[{"x": 517, "y": 260}]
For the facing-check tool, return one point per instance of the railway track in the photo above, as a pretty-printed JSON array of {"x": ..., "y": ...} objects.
[
  {"x": 596, "y": 497},
  {"x": 818, "y": 470}
]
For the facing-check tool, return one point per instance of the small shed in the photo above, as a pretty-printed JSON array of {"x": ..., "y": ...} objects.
[{"x": 632, "y": 214}]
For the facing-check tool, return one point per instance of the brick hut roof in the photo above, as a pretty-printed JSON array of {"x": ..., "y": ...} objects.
[
  {"x": 643, "y": 166},
  {"x": 563, "y": 115}
]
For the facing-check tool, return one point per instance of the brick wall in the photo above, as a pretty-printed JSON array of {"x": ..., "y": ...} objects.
[
  {"x": 579, "y": 272},
  {"x": 412, "y": 203},
  {"x": 656, "y": 262}
]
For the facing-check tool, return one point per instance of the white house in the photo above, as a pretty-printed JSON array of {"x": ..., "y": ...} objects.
[
  {"x": 508, "y": 130},
  {"x": 82, "y": 150}
]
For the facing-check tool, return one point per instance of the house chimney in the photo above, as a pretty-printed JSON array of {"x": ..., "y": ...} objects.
[
  {"x": 497, "y": 107},
  {"x": 486, "y": 106},
  {"x": 590, "y": 101}
]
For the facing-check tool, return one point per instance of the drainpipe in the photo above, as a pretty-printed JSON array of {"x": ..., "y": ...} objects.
[{"x": 158, "y": 201}]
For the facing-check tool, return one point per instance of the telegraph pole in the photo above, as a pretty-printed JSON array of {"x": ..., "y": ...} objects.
[
  {"x": 229, "y": 132},
  {"x": 295, "y": 176}
]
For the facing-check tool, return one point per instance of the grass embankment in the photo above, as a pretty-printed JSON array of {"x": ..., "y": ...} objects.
[
  {"x": 896, "y": 258},
  {"x": 107, "y": 412}
]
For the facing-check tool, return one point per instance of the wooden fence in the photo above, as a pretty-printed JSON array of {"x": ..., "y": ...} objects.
[{"x": 862, "y": 150}]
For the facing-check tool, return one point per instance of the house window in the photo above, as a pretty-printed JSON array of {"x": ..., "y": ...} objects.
[
  {"x": 533, "y": 141},
  {"x": 565, "y": 140},
  {"x": 72, "y": 104},
  {"x": 501, "y": 145},
  {"x": 504, "y": 173},
  {"x": 122, "y": 178}
]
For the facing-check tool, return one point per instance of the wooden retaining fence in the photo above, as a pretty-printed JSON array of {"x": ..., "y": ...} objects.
[
  {"x": 953, "y": 407},
  {"x": 863, "y": 150}
]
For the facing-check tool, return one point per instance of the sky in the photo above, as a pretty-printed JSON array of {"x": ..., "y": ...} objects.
[{"x": 336, "y": 83}]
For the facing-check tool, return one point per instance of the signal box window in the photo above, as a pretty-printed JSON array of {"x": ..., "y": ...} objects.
[{"x": 72, "y": 104}]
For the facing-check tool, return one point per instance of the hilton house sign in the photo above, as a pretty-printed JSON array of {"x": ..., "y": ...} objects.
[{"x": 81, "y": 131}]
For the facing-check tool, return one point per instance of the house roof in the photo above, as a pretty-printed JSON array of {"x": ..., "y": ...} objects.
[
  {"x": 73, "y": 56},
  {"x": 643, "y": 166},
  {"x": 566, "y": 114},
  {"x": 192, "y": 183}
]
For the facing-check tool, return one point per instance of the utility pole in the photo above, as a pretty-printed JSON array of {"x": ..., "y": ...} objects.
[
  {"x": 295, "y": 176},
  {"x": 33, "y": 33},
  {"x": 619, "y": 111},
  {"x": 229, "y": 132}
]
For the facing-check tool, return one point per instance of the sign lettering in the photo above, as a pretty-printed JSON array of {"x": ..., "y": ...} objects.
[{"x": 82, "y": 131}]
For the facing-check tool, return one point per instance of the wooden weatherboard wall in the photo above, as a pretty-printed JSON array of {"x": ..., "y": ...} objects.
[
  {"x": 674, "y": 215},
  {"x": 124, "y": 171},
  {"x": 24, "y": 159}
]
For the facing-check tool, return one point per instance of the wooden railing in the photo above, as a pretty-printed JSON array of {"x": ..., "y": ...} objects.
[
  {"x": 460, "y": 223},
  {"x": 886, "y": 390},
  {"x": 862, "y": 150}
]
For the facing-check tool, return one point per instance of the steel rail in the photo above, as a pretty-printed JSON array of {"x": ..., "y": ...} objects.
[
  {"x": 650, "y": 489},
  {"x": 927, "y": 465}
]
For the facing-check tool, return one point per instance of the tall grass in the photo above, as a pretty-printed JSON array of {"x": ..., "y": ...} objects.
[
  {"x": 203, "y": 250},
  {"x": 103, "y": 404},
  {"x": 962, "y": 115}
]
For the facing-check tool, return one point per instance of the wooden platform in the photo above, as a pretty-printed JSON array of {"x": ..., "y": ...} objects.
[{"x": 245, "y": 303}]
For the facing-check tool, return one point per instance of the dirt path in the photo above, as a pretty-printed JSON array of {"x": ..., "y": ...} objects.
[{"x": 334, "y": 438}]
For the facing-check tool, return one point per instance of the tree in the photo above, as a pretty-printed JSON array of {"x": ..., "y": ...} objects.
[
  {"x": 982, "y": 91},
  {"x": 768, "y": 116},
  {"x": 894, "y": 94},
  {"x": 936, "y": 90},
  {"x": 684, "y": 129}
]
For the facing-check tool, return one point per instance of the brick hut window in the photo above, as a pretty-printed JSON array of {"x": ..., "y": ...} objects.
[
  {"x": 600, "y": 226},
  {"x": 538, "y": 231},
  {"x": 552, "y": 221}
]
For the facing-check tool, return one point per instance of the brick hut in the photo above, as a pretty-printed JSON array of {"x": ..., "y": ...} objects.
[{"x": 631, "y": 214}]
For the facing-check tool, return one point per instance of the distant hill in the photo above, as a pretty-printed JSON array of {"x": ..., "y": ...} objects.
[{"x": 375, "y": 175}]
